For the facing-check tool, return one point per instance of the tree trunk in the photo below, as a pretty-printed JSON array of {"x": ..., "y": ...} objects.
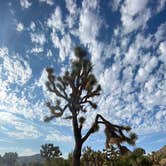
[
  {"x": 77, "y": 154},
  {"x": 78, "y": 142}
]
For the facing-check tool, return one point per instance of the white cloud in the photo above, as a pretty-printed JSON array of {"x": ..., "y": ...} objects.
[
  {"x": 15, "y": 99},
  {"x": 27, "y": 152},
  {"x": 32, "y": 26},
  {"x": 144, "y": 71},
  {"x": 65, "y": 45},
  {"x": 60, "y": 40},
  {"x": 22, "y": 130},
  {"x": 73, "y": 10},
  {"x": 132, "y": 55},
  {"x": 71, "y": 6},
  {"x": 20, "y": 27},
  {"x": 14, "y": 70},
  {"x": 55, "y": 22},
  {"x": 25, "y": 4},
  {"x": 38, "y": 38},
  {"x": 115, "y": 4},
  {"x": 162, "y": 49},
  {"x": 49, "y": 2},
  {"x": 161, "y": 5},
  {"x": 134, "y": 14},
  {"x": 59, "y": 137},
  {"x": 37, "y": 50},
  {"x": 160, "y": 33},
  {"x": 88, "y": 33}
]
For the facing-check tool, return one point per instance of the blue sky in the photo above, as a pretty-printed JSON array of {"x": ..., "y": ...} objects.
[{"x": 127, "y": 43}]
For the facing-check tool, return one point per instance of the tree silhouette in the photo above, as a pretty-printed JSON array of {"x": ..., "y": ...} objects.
[
  {"x": 10, "y": 158},
  {"x": 75, "y": 90},
  {"x": 92, "y": 158},
  {"x": 49, "y": 152}
]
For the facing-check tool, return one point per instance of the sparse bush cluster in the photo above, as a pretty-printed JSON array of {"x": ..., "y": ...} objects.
[{"x": 108, "y": 157}]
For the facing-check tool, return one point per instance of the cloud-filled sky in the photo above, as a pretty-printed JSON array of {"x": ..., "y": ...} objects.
[{"x": 127, "y": 43}]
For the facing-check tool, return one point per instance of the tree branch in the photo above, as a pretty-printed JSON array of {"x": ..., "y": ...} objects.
[
  {"x": 114, "y": 131},
  {"x": 53, "y": 110}
]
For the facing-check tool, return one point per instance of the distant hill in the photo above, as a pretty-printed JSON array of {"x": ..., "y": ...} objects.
[
  {"x": 162, "y": 151},
  {"x": 30, "y": 159}
]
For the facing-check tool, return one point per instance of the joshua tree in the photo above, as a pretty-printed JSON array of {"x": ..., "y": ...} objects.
[
  {"x": 49, "y": 152},
  {"x": 75, "y": 90},
  {"x": 92, "y": 158},
  {"x": 10, "y": 158}
]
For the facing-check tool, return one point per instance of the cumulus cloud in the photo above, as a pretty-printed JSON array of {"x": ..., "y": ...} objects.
[
  {"x": 32, "y": 26},
  {"x": 143, "y": 72},
  {"x": 25, "y": 4},
  {"x": 64, "y": 45},
  {"x": 55, "y": 21},
  {"x": 87, "y": 32},
  {"x": 134, "y": 14},
  {"x": 72, "y": 17},
  {"x": 60, "y": 40},
  {"x": 20, "y": 27},
  {"x": 14, "y": 70},
  {"x": 162, "y": 49},
  {"x": 38, "y": 38}
]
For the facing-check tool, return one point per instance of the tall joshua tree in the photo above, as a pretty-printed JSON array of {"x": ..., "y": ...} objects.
[{"x": 75, "y": 90}]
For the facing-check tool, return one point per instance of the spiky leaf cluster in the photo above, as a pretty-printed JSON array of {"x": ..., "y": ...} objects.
[{"x": 115, "y": 135}]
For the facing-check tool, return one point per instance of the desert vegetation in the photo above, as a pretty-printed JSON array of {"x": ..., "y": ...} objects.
[
  {"x": 75, "y": 91},
  {"x": 107, "y": 157}
]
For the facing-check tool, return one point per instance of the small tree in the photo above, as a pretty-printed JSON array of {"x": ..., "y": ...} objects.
[
  {"x": 92, "y": 158},
  {"x": 75, "y": 90},
  {"x": 49, "y": 152},
  {"x": 112, "y": 154},
  {"x": 10, "y": 158}
]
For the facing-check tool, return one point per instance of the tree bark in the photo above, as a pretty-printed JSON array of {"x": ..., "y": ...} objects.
[
  {"x": 77, "y": 154},
  {"x": 78, "y": 142}
]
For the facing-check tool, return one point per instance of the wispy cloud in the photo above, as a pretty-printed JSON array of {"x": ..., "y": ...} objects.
[
  {"x": 20, "y": 129},
  {"x": 49, "y": 2},
  {"x": 59, "y": 137}
]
